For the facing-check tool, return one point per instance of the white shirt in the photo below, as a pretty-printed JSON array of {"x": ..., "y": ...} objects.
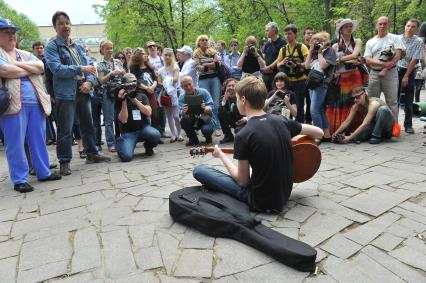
[
  {"x": 188, "y": 69},
  {"x": 376, "y": 45},
  {"x": 156, "y": 62},
  {"x": 169, "y": 86}
]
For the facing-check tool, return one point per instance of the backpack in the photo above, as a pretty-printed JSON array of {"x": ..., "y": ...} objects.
[
  {"x": 298, "y": 72},
  {"x": 219, "y": 215}
]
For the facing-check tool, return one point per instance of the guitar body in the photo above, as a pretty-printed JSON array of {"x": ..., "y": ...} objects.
[{"x": 306, "y": 157}]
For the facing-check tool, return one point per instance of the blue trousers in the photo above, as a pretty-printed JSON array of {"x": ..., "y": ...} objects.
[
  {"x": 109, "y": 114},
  {"x": 317, "y": 96},
  {"x": 29, "y": 125},
  {"x": 380, "y": 127},
  {"x": 218, "y": 181},
  {"x": 66, "y": 110},
  {"x": 212, "y": 85},
  {"x": 126, "y": 143}
]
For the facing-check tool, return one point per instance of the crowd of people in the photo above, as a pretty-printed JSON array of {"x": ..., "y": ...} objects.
[{"x": 59, "y": 94}]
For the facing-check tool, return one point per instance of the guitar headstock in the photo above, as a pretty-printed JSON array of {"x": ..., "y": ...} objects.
[{"x": 198, "y": 151}]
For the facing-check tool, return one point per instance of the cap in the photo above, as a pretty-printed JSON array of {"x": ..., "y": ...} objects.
[
  {"x": 185, "y": 49},
  {"x": 6, "y": 23},
  {"x": 129, "y": 77}
]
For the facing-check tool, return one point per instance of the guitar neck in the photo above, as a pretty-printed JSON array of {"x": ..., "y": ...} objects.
[{"x": 227, "y": 150}]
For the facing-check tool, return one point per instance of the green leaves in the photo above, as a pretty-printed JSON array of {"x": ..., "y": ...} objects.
[{"x": 28, "y": 32}]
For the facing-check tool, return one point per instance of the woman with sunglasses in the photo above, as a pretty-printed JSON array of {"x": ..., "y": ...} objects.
[
  {"x": 378, "y": 119},
  {"x": 208, "y": 62},
  {"x": 122, "y": 57}
]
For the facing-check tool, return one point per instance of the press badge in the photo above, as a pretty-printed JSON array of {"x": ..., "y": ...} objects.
[
  {"x": 136, "y": 115},
  {"x": 285, "y": 112}
]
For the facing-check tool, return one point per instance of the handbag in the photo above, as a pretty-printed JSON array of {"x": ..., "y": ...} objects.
[
  {"x": 333, "y": 91},
  {"x": 165, "y": 99},
  {"x": 223, "y": 72},
  {"x": 315, "y": 79},
  {"x": 4, "y": 97}
]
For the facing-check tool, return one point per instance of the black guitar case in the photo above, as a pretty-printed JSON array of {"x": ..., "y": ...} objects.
[{"x": 219, "y": 215}]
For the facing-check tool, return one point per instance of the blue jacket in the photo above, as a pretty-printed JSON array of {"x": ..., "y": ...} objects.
[
  {"x": 64, "y": 69},
  {"x": 201, "y": 91}
]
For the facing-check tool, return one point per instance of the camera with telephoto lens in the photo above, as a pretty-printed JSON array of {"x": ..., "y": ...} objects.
[{"x": 251, "y": 48}]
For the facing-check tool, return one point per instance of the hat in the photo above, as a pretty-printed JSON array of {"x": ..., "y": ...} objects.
[
  {"x": 343, "y": 22},
  {"x": 185, "y": 49},
  {"x": 6, "y": 23}
]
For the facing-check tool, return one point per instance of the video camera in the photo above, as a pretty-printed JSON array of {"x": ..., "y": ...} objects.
[{"x": 116, "y": 85}]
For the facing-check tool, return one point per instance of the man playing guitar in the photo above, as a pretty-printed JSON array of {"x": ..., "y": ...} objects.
[{"x": 264, "y": 144}]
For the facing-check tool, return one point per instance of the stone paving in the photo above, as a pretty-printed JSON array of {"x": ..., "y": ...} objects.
[{"x": 364, "y": 212}]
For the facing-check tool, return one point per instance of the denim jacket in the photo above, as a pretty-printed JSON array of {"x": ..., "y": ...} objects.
[{"x": 64, "y": 69}]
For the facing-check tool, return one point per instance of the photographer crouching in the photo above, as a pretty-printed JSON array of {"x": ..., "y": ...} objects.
[
  {"x": 229, "y": 116},
  {"x": 133, "y": 116}
]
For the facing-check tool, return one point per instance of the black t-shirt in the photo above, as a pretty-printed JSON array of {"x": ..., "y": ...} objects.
[
  {"x": 278, "y": 103},
  {"x": 136, "y": 120},
  {"x": 266, "y": 143},
  {"x": 272, "y": 49},
  {"x": 422, "y": 32},
  {"x": 250, "y": 64}
]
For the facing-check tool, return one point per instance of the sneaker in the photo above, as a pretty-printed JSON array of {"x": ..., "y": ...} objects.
[
  {"x": 227, "y": 139},
  {"x": 192, "y": 142},
  {"x": 172, "y": 140},
  {"x": 149, "y": 152},
  {"x": 23, "y": 188},
  {"x": 64, "y": 169},
  {"x": 409, "y": 130},
  {"x": 218, "y": 132},
  {"x": 179, "y": 139},
  {"x": 96, "y": 158},
  {"x": 53, "y": 177},
  {"x": 112, "y": 149},
  {"x": 375, "y": 140},
  {"x": 164, "y": 136}
]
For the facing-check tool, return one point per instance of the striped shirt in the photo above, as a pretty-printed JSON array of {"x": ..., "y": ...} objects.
[{"x": 413, "y": 50}]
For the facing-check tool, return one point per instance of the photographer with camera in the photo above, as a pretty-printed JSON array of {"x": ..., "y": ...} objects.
[
  {"x": 195, "y": 117},
  {"x": 281, "y": 100},
  {"x": 382, "y": 52},
  {"x": 291, "y": 61},
  {"x": 229, "y": 115},
  {"x": 133, "y": 114},
  {"x": 251, "y": 61},
  {"x": 110, "y": 72},
  {"x": 321, "y": 60}
]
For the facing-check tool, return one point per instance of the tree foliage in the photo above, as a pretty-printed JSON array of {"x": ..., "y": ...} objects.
[
  {"x": 176, "y": 22},
  {"x": 28, "y": 32}
]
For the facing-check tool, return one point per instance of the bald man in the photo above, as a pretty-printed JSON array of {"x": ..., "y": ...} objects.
[
  {"x": 191, "y": 123},
  {"x": 382, "y": 52}
]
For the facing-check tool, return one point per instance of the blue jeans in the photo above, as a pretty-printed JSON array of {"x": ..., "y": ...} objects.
[
  {"x": 218, "y": 181},
  {"x": 380, "y": 127},
  {"x": 30, "y": 125},
  {"x": 212, "y": 85},
  {"x": 65, "y": 112},
  {"x": 109, "y": 114},
  {"x": 317, "y": 96},
  {"x": 191, "y": 124},
  {"x": 126, "y": 143}
]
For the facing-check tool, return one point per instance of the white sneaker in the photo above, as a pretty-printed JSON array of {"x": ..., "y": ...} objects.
[{"x": 218, "y": 132}]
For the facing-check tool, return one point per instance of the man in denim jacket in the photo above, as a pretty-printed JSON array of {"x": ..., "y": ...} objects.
[{"x": 73, "y": 77}]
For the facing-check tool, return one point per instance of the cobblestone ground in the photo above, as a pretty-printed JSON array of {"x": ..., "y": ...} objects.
[{"x": 364, "y": 212}]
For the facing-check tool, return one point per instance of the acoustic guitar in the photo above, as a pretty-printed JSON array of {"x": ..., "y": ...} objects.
[{"x": 306, "y": 157}]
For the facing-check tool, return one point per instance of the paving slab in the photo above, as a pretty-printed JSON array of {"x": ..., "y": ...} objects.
[
  {"x": 369, "y": 180},
  {"x": 387, "y": 241},
  {"x": 149, "y": 258},
  {"x": 276, "y": 273},
  {"x": 194, "y": 263},
  {"x": 341, "y": 247},
  {"x": 87, "y": 252}
]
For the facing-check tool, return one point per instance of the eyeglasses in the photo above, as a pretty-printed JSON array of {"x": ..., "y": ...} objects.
[{"x": 8, "y": 32}]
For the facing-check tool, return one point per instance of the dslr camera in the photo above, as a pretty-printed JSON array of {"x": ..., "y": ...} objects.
[
  {"x": 251, "y": 48},
  {"x": 281, "y": 94},
  {"x": 317, "y": 46}
]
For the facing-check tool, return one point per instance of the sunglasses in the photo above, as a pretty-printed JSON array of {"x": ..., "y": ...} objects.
[
  {"x": 355, "y": 97},
  {"x": 121, "y": 57},
  {"x": 152, "y": 46}
]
